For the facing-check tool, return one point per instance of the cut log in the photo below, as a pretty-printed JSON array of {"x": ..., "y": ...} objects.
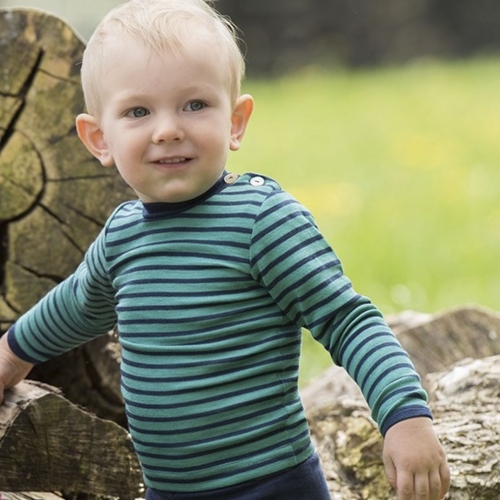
[
  {"x": 89, "y": 376},
  {"x": 464, "y": 397},
  {"x": 437, "y": 341},
  {"x": 29, "y": 495},
  {"x": 54, "y": 195},
  {"x": 466, "y": 404},
  {"x": 466, "y": 407},
  {"x": 48, "y": 444}
]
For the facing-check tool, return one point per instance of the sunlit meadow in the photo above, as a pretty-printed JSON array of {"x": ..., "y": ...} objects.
[{"x": 401, "y": 169}]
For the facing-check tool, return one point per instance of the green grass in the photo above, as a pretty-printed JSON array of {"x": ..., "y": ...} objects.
[{"x": 401, "y": 168}]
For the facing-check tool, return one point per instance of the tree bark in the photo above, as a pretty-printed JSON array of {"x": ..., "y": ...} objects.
[
  {"x": 448, "y": 350},
  {"x": 55, "y": 198},
  {"x": 465, "y": 405},
  {"x": 48, "y": 444}
]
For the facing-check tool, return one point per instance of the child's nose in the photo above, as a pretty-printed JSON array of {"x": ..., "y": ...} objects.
[{"x": 167, "y": 129}]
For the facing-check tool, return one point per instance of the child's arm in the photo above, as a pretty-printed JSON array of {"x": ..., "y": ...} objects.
[
  {"x": 12, "y": 368},
  {"x": 294, "y": 262},
  {"x": 414, "y": 460}
]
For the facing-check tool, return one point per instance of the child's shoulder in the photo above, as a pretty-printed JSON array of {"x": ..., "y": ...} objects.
[
  {"x": 256, "y": 183},
  {"x": 257, "y": 180},
  {"x": 266, "y": 193},
  {"x": 126, "y": 211},
  {"x": 259, "y": 188}
]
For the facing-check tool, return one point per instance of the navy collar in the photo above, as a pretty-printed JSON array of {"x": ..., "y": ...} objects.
[{"x": 161, "y": 210}]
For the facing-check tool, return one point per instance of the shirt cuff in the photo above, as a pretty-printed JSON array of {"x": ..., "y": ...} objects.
[
  {"x": 405, "y": 413},
  {"x": 16, "y": 348}
]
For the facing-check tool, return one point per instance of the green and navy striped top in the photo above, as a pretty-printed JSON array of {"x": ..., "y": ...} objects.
[{"x": 210, "y": 298}]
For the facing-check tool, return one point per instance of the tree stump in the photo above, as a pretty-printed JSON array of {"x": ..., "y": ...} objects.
[
  {"x": 54, "y": 199},
  {"x": 48, "y": 444},
  {"x": 54, "y": 196}
]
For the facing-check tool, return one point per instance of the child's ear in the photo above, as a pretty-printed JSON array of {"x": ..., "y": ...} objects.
[
  {"x": 91, "y": 134},
  {"x": 239, "y": 120}
]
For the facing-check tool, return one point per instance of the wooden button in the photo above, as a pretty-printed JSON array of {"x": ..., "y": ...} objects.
[{"x": 231, "y": 178}]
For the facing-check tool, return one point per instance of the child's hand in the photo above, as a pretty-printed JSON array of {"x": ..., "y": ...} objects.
[
  {"x": 12, "y": 368},
  {"x": 415, "y": 461}
]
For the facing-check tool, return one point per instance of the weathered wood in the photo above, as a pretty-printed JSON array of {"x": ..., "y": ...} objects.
[
  {"x": 434, "y": 342},
  {"x": 48, "y": 444},
  {"x": 466, "y": 407},
  {"x": 89, "y": 376},
  {"x": 29, "y": 495},
  {"x": 464, "y": 400},
  {"x": 466, "y": 404},
  {"x": 54, "y": 196}
]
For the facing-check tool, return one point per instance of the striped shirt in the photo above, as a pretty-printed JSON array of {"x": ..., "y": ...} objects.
[{"x": 210, "y": 298}]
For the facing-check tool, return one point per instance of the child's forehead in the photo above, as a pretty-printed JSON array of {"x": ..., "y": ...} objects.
[
  {"x": 132, "y": 67},
  {"x": 194, "y": 46},
  {"x": 123, "y": 50}
]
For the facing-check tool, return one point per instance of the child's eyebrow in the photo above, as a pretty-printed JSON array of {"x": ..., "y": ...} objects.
[
  {"x": 129, "y": 95},
  {"x": 202, "y": 87}
]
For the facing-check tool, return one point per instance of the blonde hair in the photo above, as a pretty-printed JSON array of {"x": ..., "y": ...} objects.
[{"x": 162, "y": 25}]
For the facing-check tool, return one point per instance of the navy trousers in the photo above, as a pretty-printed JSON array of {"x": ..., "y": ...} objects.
[{"x": 303, "y": 482}]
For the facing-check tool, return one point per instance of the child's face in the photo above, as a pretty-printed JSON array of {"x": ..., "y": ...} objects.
[{"x": 167, "y": 121}]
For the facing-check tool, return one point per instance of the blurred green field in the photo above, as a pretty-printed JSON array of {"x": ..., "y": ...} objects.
[{"x": 401, "y": 168}]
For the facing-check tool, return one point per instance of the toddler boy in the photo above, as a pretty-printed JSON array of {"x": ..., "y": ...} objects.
[{"x": 210, "y": 277}]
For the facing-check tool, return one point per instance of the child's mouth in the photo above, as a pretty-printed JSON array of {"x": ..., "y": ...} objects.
[{"x": 172, "y": 161}]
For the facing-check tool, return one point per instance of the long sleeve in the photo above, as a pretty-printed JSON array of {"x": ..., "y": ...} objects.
[
  {"x": 76, "y": 310},
  {"x": 303, "y": 274}
]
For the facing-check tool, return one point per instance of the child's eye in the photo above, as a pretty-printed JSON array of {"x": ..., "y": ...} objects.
[
  {"x": 138, "y": 113},
  {"x": 195, "y": 106}
]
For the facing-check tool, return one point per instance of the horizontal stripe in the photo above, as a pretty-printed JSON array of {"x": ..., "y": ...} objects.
[{"x": 209, "y": 301}]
